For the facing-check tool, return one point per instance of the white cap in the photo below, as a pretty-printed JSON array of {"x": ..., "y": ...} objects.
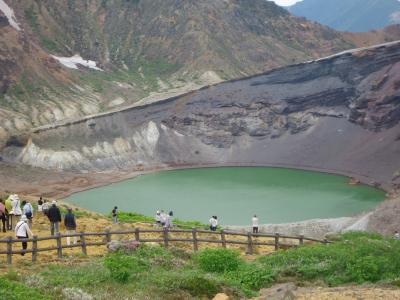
[
  {"x": 54, "y": 202},
  {"x": 24, "y": 218}
]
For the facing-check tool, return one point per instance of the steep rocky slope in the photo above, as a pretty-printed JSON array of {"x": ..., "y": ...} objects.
[
  {"x": 338, "y": 114},
  {"x": 142, "y": 48}
]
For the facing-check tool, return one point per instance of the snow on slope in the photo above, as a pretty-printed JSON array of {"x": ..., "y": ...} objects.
[
  {"x": 9, "y": 13},
  {"x": 73, "y": 62}
]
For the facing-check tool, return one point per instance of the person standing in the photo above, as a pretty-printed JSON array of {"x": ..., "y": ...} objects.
[
  {"x": 163, "y": 218},
  {"x": 3, "y": 214},
  {"x": 15, "y": 210},
  {"x": 54, "y": 216},
  {"x": 168, "y": 219},
  {"x": 213, "y": 223},
  {"x": 8, "y": 205},
  {"x": 27, "y": 210},
  {"x": 115, "y": 215},
  {"x": 40, "y": 204},
  {"x": 70, "y": 225},
  {"x": 45, "y": 207},
  {"x": 22, "y": 231},
  {"x": 254, "y": 222},
  {"x": 158, "y": 218}
]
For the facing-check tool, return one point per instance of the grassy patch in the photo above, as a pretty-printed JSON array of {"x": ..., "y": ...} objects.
[
  {"x": 12, "y": 290},
  {"x": 132, "y": 217},
  {"x": 353, "y": 258}
]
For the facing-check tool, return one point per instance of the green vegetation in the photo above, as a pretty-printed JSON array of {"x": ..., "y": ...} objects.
[
  {"x": 155, "y": 272},
  {"x": 132, "y": 217},
  {"x": 32, "y": 17},
  {"x": 218, "y": 260},
  {"x": 12, "y": 290},
  {"x": 353, "y": 258}
]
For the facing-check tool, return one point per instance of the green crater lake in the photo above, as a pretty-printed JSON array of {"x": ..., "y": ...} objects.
[{"x": 235, "y": 194}]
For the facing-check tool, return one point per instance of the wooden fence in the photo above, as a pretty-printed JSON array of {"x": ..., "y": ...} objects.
[{"x": 275, "y": 240}]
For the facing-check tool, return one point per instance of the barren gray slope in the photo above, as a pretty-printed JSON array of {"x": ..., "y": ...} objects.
[{"x": 339, "y": 114}]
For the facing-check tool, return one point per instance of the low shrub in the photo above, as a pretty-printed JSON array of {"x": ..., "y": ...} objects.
[
  {"x": 199, "y": 286},
  {"x": 122, "y": 266},
  {"x": 219, "y": 260},
  {"x": 251, "y": 276}
]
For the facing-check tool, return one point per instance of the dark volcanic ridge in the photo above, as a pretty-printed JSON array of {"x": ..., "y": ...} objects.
[{"x": 340, "y": 114}]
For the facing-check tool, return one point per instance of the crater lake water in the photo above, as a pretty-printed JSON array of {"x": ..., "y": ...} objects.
[{"x": 235, "y": 194}]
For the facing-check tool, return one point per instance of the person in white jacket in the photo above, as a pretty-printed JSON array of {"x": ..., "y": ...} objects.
[
  {"x": 213, "y": 223},
  {"x": 254, "y": 222},
  {"x": 22, "y": 231},
  {"x": 16, "y": 209}
]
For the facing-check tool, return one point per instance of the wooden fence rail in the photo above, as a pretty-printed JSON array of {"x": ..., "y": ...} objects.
[{"x": 164, "y": 238}]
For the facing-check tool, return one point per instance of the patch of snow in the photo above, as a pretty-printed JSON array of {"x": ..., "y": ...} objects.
[
  {"x": 9, "y": 13},
  {"x": 73, "y": 62}
]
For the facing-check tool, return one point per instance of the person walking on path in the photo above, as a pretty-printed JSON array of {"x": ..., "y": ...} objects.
[
  {"x": 213, "y": 223},
  {"x": 3, "y": 214},
  {"x": 254, "y": 222},
  {"x": 27, "y": 210},
  {"x": 115, "y": 215},
  {"x": 15, "y": 210},
  {"x": 70, "y": 225},
  {"x": 54, "y": 216},
  {"x": 40, "y": 204},
  {"x": 22, "y": 231},
  {"x": 8, "y": 205}
]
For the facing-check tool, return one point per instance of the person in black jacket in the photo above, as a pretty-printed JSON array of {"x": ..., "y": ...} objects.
[
  {"x": 54, "y": 216},
  {"x": 70, "y": 225}
]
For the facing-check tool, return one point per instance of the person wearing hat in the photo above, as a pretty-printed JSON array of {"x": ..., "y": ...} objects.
[
  {"x": 22, "y": 231},
  {"x": 70, "y": 225},
  {"x": 8, "y": 206},
  {"x": 54, "y": 216},
  {"x": 16, "y": 209},
  {"x": 27, "y": 210}
]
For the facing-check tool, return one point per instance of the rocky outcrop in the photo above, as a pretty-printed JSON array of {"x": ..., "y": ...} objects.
[
  {"x": 145, "y": 48},
  {"x": 338, "y": 114}
]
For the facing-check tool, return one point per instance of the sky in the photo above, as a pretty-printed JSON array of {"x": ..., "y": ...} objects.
[{"x": 285, "y": 2}]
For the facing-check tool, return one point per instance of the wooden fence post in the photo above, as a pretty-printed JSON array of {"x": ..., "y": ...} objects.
[
  {"x": 83, "y": 242},
  {"x": 34, "y": 248},
  {"x": 301, "y": 240},
  {"x": 276, "y": 241},
  {"x": 9, "y": 250},
  {"x": 59, "y": 245},
  {"x": 195, "y": 242},
  {"x": 137, "y": 234},
  {"x": 166, "y": 237},
  {"x": 223, "y": 240},
  {"x": 249, "y": 244},
  {"x": 108, "y": 236}
]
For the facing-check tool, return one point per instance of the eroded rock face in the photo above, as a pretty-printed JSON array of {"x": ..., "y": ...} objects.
[{"x": 339, "y": 114}]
